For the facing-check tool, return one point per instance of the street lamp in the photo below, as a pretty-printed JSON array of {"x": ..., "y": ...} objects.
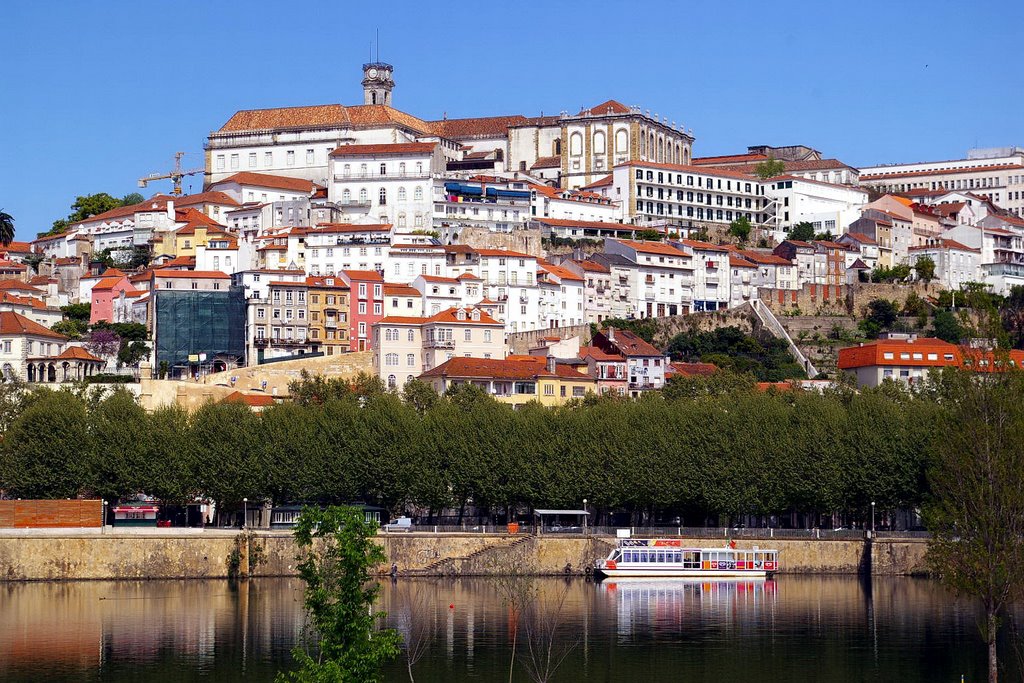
[
  {"x": 584, "y": 516},
  {"x": 872, "y": 518},
  {"x": 245, "y": 512}
]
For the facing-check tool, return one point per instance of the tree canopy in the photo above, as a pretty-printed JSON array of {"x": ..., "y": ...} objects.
[
  {"x": 769, "y": 168},
  {"x": 85, "y": 206}
]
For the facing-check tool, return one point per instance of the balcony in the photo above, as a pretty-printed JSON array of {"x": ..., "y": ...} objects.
[
  {"x": 439, "y": 343},
  {"x": 353, "y": 204},
  {"x": 331, "y": 324},
  {"x": 398, "y": 175}
]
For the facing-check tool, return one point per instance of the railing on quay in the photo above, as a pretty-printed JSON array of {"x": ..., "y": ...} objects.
[{"x": 710, "y": 533}]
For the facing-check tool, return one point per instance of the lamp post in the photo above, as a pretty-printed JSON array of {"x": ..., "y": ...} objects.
[
  {"x": 103, "y": 527},
  {"x": 872, "y": 518},
  {"x": 584, "y": 516},
  {"x": 245, "y": 512}
]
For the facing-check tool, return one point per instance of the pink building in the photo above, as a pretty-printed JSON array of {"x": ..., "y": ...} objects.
[
  {"x": 366, "y": 301},
  {"x": 105, "y": 292}
]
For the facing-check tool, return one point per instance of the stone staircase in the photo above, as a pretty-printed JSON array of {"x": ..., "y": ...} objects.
[{"x": 456, "y": 566}]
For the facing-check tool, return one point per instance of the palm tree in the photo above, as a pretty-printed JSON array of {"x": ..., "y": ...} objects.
[{"x": 6, "y": 228}]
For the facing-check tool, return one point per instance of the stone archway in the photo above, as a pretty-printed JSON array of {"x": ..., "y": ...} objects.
[{"x": 51, "y": 373}]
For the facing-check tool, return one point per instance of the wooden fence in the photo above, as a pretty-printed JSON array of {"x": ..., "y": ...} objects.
[{"x": 50, "y": 514}]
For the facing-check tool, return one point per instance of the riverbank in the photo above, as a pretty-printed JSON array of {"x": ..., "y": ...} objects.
[{"x": 57, "y": 555}]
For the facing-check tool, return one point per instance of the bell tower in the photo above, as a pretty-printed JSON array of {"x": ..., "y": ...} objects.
[{"x": 377, "y": 83}]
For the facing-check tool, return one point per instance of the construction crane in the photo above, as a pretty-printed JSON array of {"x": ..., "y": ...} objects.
[{"x": 175, "y": 175}]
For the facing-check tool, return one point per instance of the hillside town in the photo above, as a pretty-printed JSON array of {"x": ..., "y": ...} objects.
[{"x": 512, "y": 252}]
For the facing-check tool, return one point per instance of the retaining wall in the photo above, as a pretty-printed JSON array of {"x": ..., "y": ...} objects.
[{"x": 81, "y": 555}]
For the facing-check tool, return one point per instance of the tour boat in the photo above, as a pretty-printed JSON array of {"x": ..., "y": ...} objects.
[{"x": 666, "y": 557}]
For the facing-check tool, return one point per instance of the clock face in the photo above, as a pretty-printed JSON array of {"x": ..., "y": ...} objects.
[{"x": 372, "y": 73}]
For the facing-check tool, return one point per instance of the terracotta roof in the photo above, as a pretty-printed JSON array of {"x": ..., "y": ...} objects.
[
  {"x": 828, "y": 244},
  {"x": 739, "y": 262},
  {"x": 502, "y": 252},
  {"x": 108, "y": 283},
  {"x": 946, "y": 244},
  {"x": 450, "y": 316},
  {"x": 489, "y": 368},
  {"x": 468, "y": 276},
  {"x": 694, "y": 369},
  {"x": 276, "y": 182},
  {"x": 598, "y": 354},
  {"x": 16, "y": 246},
  {"x": 629, "y": 344},
  {"x": 702, "y": 246},
  {"x": 324, "y": 115},
  {"x": 485, "y": 126},
  {"x": 321, "y": 281},
  {"x": 30, "y": 301},
  {"x": 384, "y": 149},
  {"x": 653, "y": 248},
  {"x": 603, "y": 182},
  {"x": 19, "y": 285},
  {"x": 948, "y": 208},
  {"x": 77, "y": 353},
  {"x": 548, "y": 162},
  {"x": 213, "y": 197},
  {"x": 15, "y": 324},
  {"x": 592, "y": 266},
  {"x": 198, "y": 274},
  {"x": 860, "y": 237},
  {"x": 764, "y": 259},
  {"x": 401, "y": 320},
  {"x": 370, "y": 275},
  {"x": 400, "y": 290},
  {"x": 608, "y": 107},
  {"x": 251, "y": 400},
  {"x": 12, "y": 265},
  {"x": 866, "y": 355},
  {"x": 438, "y": 278},
  {"x": 561, "y": 273}
]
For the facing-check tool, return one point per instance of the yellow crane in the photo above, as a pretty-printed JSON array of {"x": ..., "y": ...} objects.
[{"x": 175, "y": 175}]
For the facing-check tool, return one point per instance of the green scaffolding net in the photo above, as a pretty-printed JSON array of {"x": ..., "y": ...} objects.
[{"x": 191, "y": 324}]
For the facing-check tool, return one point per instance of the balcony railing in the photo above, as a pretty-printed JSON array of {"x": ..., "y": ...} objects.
[
  {"x": 341, "y": 177},
  {"x": 439, "y": 343}
]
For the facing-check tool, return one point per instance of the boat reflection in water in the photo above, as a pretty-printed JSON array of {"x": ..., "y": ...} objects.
[{"x": 674, "y": 606}]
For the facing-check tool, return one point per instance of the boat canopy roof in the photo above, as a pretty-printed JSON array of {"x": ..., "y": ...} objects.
[{"x": 543, "y": 513}]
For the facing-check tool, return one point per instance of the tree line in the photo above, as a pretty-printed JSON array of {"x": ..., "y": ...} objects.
[{"x": 706, "y": 448}]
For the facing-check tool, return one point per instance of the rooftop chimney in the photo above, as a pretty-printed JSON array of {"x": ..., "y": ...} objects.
[
  {"x": 170, "y": 209},
  {"x": 551, "y": 364},
  {"x": 611, "y": 334}
]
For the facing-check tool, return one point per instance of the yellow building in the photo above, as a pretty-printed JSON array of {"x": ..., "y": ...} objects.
[
  {"x": 194, "y": 228},
  {"x": 514, "y": 381},
  {"x": 328, "y": 314}
]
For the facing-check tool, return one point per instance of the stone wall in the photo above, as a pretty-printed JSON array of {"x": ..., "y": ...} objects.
[
  {"x": 669, "y": 326},
  {"x": 520, "y": 343},
  {"x": 142, "y": 554},
  {"x": 863, "y": 293},
  {"x": 525, "y": 240},
  {"x": 214, "y": 387}
]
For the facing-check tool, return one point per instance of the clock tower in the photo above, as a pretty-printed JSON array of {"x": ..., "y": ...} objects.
[{"x": 377, "y": 83}]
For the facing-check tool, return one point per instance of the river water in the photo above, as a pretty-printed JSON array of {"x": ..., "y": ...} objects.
[{"x": 794, "y": 628}]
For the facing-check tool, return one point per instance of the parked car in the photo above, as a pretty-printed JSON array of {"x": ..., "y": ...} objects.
[{"x": 400, "y": 524}]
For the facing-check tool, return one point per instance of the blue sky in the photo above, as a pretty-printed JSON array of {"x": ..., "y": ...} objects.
[{"x": 96, "y": 95}]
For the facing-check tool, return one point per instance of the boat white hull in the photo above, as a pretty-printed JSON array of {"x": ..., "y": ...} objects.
[{"x": 650, "y": 573}]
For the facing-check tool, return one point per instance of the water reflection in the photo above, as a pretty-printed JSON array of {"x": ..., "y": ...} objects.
[{"x": 795, "y": 628}]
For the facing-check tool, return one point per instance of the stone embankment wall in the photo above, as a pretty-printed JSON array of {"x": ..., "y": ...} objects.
[
  {"x": 52, "y": 556},
  {"x": 524, "y": 240},
  {"x": 520, "y": 343}
]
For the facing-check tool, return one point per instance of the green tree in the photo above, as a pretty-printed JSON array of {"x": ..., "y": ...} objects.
[
  {"x": 76, "y": 320},
  {"x": 47, "y": 451},
  {"x": 976, "y": 511},
  {"x": 802, "y": 232},
  {"x": 338, "y": 561},
  {"x": 925, "y": 268},
  {"x": 881, "y": 315},
  {"x": 740, "y": 229},
  {"x": 6, "y": 228},
  {"x": 84, "y": 207},
  {"x": 946, "y": 326},
  {"x": 770, "y": 168},
  {"x": 132, "y": 198},
  {"x": 649, "y": 235},
  {"x": 171, "y": 456},
  {"x": 121, "y": 430},
  {"x": 1011, "y": 312},
  {"x": 419, "y": 395}
]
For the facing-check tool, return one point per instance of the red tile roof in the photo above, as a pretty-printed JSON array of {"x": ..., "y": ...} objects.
[
  {"x": 548, "y": 162},
  {"x": 947, "y": 171},
  {"x": 16, "y": 324},
  {"x": 502, "y": 252},
  {"x": 19, "y": 286},
  {"x": 702, "y": 246},
  {"x": 180, "y": 262},
  {"x": 400, "y": 290},
  {"x": 603, "y": 182},
  {"x": 213, "y": 197},
  {"x": 947, "y": 244},
  {"x": 451, "y": 316},
  {"x": 598, "y": 354},
  {"x": 78, "y": 353},
  {"x": 481, "y": 127},
  {"x": 323, "y": 116},
  {"x": 860, "y": 237},
  {"x": 653, "y": 248},
  {"x": 108, "y": 283},
  {"x": 764, "y": 259},
  {"x": 629, "y": 344},
  {"x": 385, "y": 149},
  {"x": 251, "y": 400},
  {"x": 489, "y": 368},
  {"x": 276, "y": 182},
  {"x": 739, "y": 262},
  {"x": 561, "y": 273},
  {"x": 369, "y": 275},
  {"x": 198, "y": 274},
  {"x": 608, "y": 107},
  {"x": 694, "y": 369},
  {"x": 593, "y": 266}
]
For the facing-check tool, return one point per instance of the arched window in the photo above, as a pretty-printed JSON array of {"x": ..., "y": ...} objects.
[
  {"x": 418, "y": 222},
  {"x": 401, "y": 168},
  {"x": 363, "y": 195},
  {"x": 346, "y": 170},
  {"x": 362, "y": 170},
  {"x": 556, "y": 147},
  {"x": 651, "y": 148},
  {"x": 383, "y": 169},
  {"x": 411, "y": 336},
  {"x": 417, "y": 194},
  {"x": 391, "y": 359},
  {"x": 401, "y": 220},
  {"x": 643, "y": 144},
  {"x": 382, "y": 196},
  {"x": 599, "y": 146},
  {"x": 661, "y": 149},
  {"x": 346, "y": 196},
  {"x": 410, "y": 359},
  {"x": 401, "y": 194},
  {"x": 392, "y": 382},
  {"x": 575, "y": 144},
  {"x": 621, "y": 140}
]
